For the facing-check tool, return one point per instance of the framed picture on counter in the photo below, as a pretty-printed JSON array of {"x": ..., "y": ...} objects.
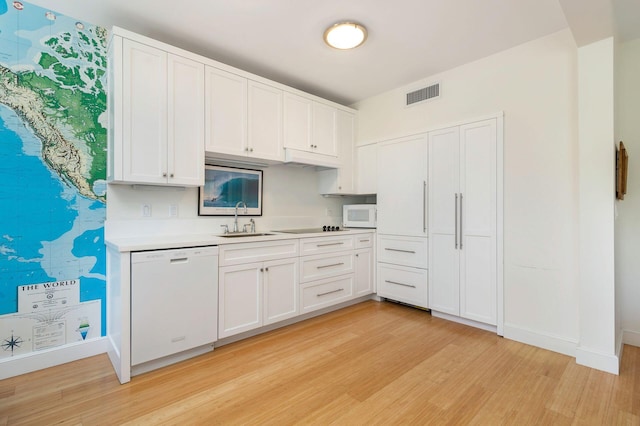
[{"x": 227, "y": 187}]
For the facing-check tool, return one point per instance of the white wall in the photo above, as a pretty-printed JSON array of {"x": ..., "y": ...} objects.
[
  {"x": 628, "y": 221},
  {"x": 597, "y": 347},
  {"x": 535, "y": 84},
  {"x": 290, "y": 200}
]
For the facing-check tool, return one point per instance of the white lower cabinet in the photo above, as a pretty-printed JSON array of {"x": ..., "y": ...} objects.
[
  {"x": 364, "y": 258},
  {"x": 257, "y": 294},
  {"x": 268, "y": 282},
  {"x": 322, "y": 293},
  {"x": 403, "y": 283},
  {"x": 402, "y": 269}
]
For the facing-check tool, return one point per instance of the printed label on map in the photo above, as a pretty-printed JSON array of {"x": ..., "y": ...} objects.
[{"x": 45, "y": 296}]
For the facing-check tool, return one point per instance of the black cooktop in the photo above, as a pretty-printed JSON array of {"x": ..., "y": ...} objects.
[{"x": 312, "y": 230}]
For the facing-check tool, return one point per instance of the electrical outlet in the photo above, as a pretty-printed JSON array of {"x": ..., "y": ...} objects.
[
  {"x": 146, "y": 210},
  {"x": 173, "y": 210}
]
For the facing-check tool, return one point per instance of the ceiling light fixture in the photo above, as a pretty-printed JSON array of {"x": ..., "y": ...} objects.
[{"x": 345, "y": 35}]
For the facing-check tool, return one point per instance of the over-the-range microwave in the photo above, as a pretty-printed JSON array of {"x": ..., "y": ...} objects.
[{"x": 359, "y": 216}]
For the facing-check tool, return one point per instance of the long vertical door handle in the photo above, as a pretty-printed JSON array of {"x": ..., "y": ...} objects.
[
  {"x": 461, "y": 221},
  {"x": 456, "y": 213},
  {"x": 424, "y": 206}
]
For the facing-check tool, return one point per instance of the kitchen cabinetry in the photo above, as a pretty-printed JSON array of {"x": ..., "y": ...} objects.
[
  {"x": 244, "y": 117},
  {"x": 402, "y": 269},
  {"x": 402, "y": 220},
  {"x": 309, "y": 125},
  {"x": 258, "y": 285},
  {"x": 226, "y": 112},
  {"x": 364, "y": 282},
  {"x": 326, "y": 271},
  {"x": 156, "y": 114},
  {"x": 173, "y": 302},
  {"x": 367, "y": 169},
  {"x": 402, "y": 186},
  {"x": 463, "y": 221},
  {"x": 342, "y": 179}
]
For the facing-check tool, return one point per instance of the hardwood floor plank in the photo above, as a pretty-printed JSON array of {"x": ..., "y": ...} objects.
[{"x": 372, "y": 363}]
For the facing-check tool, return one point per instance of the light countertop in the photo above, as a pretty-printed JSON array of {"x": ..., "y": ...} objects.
[{"x": 158, "y": 242}]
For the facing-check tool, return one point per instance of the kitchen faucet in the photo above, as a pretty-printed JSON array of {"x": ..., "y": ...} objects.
[{"x": 235, "y": 221}]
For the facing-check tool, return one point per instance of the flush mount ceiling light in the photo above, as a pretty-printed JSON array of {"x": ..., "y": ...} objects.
[{"x": 345, "y": 35}]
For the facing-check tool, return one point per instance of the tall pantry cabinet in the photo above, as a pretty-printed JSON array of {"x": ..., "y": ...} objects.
[
  {"x": 402, "y": 220},
  {"x": 464, "y": 213}
]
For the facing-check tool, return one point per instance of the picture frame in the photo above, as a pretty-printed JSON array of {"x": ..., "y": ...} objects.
[
  {"x": 622, "y": 165},
  {"x": 227, "y": 187}
]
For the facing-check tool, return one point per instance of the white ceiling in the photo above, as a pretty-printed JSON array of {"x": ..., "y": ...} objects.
[{"x": 408, "y": 39}]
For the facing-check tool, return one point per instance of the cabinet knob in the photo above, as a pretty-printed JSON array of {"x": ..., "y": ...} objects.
[
  {"x": 171, "y": 175},
  {"x": 250, "y": 149},
  {"x": 246, "y": 149},
  {"x": 266, "y": 269},
  {"x": 164, "y": 175},
  {"x": 261, "y": 269}
]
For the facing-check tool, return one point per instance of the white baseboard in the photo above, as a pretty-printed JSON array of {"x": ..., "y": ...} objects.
[
  {"x": 34, "y": 361},
  {"x": 631, "y": 338},
  {"x": 598, "y": 360},
  {"x": 545, "y": 341}
]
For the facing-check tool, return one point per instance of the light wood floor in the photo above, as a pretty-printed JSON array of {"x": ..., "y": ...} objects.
[{"x": 372, "y": 363}]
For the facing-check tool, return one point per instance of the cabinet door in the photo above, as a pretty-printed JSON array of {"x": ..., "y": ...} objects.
[
  {"x": 226, "y": 112},
  {"x": 185, "y": 151},
  {"x": 478, "y": 277},
  {"x": 297, "y": 122},
  {"x": 342, "y": 179},
  {"x": 444, "y": 203},
  {"x": 240, "y": 299},
  {"x": 280, "y": 281},
  {"x": 265, "y": 122},
  {"x": 366, "y": 169},
  {"x": 363, "y": 265},
  {"x": 323, "y": 124},
  {"x": 144, "y": 110},
  {"x": 402, "y": 187}
]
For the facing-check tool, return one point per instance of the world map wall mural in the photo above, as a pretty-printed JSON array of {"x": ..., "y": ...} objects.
[{"x": 53, "y": 169}]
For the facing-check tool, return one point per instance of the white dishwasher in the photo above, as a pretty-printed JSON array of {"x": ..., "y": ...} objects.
[{"x": 174, "y": 305}]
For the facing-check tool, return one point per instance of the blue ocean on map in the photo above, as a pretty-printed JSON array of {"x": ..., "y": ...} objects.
[{"x": 53, "y": 220}]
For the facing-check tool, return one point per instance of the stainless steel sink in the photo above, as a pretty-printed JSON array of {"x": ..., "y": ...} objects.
[{"x": 245, "y": 234}]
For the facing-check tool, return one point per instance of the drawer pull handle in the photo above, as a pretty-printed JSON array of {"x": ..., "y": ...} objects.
[
  {"x": 401, "y": 251},
  {"x": 330, "y": 244},
  {"x": 364, "y": 241},
  {"x": 330, "y": 292},
  {"x": 396, "y": 283},
  {"x": 179, "y": 260},
  {"x": 329, "y": 266}
]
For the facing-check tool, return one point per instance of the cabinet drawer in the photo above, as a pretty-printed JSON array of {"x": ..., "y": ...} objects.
[
  {"x": 325, "y": 266},
  {"x": 364, "y": 240},
  {"x": 320, "y": 294},
  {"x": 235, "y": 254},
  {"x": 407, "y": 251},
  {"x": 325, "y": 244},
  {"x": 404, "y": 284}
]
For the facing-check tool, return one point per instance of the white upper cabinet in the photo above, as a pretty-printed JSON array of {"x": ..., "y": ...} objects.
[
  {"x": 342, "y": 179},
  {"x": 226, "y": 112},
  {"x": 244, "y": 117},
  {"x": 265, "y": 122},
  {"x": 185, "y": 156},
  {"x": 157, "y": 103},
  {"x": 297, "y": 122},
  {"x": 402, "y": 186},
  {"x": 367, "y": 169},
  {"x": 323, "y": 129},
  {"x": 310, "y": 125}
]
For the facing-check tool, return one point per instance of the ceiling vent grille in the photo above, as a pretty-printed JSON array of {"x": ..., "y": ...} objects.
[{"x": 424, "y": 94}]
